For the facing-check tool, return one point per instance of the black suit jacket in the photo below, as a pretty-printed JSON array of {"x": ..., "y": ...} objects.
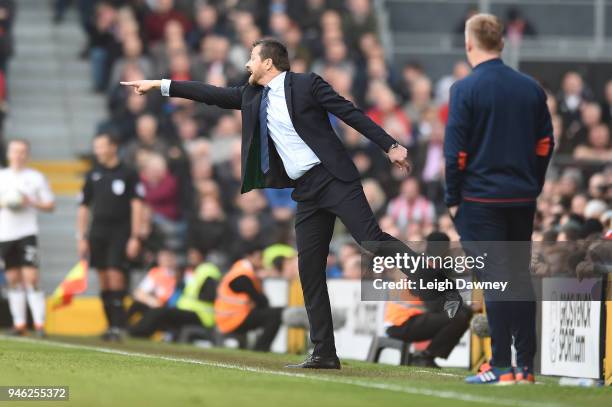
[{"x": 309, "y": 99}]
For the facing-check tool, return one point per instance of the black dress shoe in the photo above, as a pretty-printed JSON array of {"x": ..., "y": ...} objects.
[
  {"x": 423, "y": 359},
  {"x": 452, "y": 302},
  {"x": 317, "y": 362}
]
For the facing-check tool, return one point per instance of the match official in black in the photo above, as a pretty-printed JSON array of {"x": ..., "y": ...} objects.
[
  {"x": 497, "y": 147},
  {"x": 112, "y": 196},
  {"x": 288, "y": 141}
]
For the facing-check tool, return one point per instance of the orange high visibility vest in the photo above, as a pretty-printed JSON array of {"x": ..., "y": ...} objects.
[
  {"x": 232, "y": 308},
  {"x": 164, "y": 283},
  {"x": 398, "y": 312}
]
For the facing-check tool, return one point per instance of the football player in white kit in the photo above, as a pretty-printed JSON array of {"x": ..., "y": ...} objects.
[{"x": 23, "y": 192}]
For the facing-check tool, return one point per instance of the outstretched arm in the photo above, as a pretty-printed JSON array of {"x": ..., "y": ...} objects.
[
  {"x": 226, "y": 98},
  {"x": 346, "y": 111}
]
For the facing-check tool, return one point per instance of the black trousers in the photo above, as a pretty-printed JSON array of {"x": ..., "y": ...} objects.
[
  {"x": 444, "y": 332},
  {"x": 163, "y": 319},
  {"x": 508, "y": 319},
  {"x": 321, "y": 198},
  {"x": 136, "y": 307},
  {"x": 267, "y": 318}
]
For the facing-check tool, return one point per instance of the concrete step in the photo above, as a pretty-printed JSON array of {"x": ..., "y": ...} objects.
[
  {"x": 49, "y": 153},
  {"x": 68, "y": 69},
  {"x": 44, "y": 85},
  {"x": 39, "y": 115},
  {"x": 65, "y": 177},
  {"x": 59, "y": 113},
  {"x": 61, "y": 166},
  {"x": 32, "y": 101},
  {"x": 36, "y": 130},
  {"x": 83, "y": 114}
]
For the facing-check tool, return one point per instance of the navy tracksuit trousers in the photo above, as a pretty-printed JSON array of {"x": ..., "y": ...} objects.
[{"x": 508, "y": 320}]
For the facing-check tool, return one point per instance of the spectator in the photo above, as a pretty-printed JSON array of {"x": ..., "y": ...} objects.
[
  {"x": 336, "y": 55},
  {"x": 352, "y": 268},
  {"x": 213, "y": 60},
  {"x": 104, "y": 46},
  {"x": 146, "y": 140},
  {"x": 174, "y": 44},
  {"x": 429, "y": 161},
  {"x": 590, "y": 116},
  {"x": 157, "y": 287},
  {"x": 517, "y": 26},
  {"x": 132, "y": 54},
  {"x": 241, "y": 305},
  {"x": 206, "y": 23},
  {"x": 208, "y": 230},
  {"x": 461, "y": 69},
  {"x": 193, "y": 307},
  {"x": 375, "y": 195},
  {"x": 248, "y": 233},
  {"x": 358, "y": 21},
  {"x": 415, "y": 320},
  {"x": 386, "y": 113},
  {"x": 7, "y": 18},
  {"x": 597, "y": 148},
  {"x": 410, "y": 207},
  {"x": 240, "y": 52},
  {"x": 163, "y": 12},
  {"x": 420, "y": 99},
  {"x": 161, "y": 188},
  {"x": 573, "y": 93},
  {"x": 411, "y": 72},
  {"x": 598, "y": 186},
  {"x": 606, "y": 106}
]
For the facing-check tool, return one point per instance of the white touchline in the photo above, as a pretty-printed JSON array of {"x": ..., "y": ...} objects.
[
  {"x": 438, "y": 373},
  {"x": 444, "y": 394}
]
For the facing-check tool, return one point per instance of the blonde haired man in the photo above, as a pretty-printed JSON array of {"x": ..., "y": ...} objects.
[{"x": 497, "y": 147}]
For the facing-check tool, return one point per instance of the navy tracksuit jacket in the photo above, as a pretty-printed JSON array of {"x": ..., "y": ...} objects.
[
  {"x": 498, "y": 138},
  {"x": 497, "y": 147}
]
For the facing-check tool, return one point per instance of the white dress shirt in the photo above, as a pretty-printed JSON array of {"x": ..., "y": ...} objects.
[{"x": 297, "y": 157}]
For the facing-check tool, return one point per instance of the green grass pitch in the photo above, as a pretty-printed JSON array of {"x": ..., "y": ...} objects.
[{"x": 141, "y": 373}]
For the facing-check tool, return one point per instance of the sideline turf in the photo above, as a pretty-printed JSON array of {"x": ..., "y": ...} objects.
[{"x": 104, "y": 379}]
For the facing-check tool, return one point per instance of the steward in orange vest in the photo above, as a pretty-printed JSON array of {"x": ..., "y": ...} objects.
[
  {"x": 241, "y": 305},
  {"x": 157, "y": 287},
  {"x": 413, "y": 320},
  {"x": 194, "y": 306}
]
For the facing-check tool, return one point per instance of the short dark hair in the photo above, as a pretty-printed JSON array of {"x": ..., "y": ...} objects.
[
  {"x": 110, "y": 137},
  {"x": 276, "y": 51}
]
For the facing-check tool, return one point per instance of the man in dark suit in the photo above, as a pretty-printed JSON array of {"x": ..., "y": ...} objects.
[
  {"x": 498, "y": 144},
  {"x": 288, "y": 141}
]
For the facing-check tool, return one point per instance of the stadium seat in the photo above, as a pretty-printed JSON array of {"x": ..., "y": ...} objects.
[
  {"x": 379, "y": 343},
  {"x": 190, "y": 333},
  {"x": 220, "y": 338}
]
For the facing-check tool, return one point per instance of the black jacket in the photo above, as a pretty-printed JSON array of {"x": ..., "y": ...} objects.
[{"x": 309, "y": 100}]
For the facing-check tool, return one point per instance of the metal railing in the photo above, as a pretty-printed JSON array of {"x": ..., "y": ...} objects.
[{"x": 403, "y": 41}]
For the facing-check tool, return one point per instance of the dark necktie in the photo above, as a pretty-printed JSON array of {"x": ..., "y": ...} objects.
[{"x": 263, "y": 130}]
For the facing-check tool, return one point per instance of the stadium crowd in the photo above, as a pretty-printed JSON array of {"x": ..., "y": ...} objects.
[{"x": 188, "y": 154}]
